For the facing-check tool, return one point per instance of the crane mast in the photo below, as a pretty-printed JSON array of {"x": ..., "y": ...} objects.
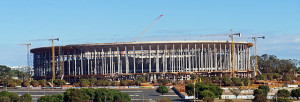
[
  {"x": 232, "y": 48},
  {"x": 53, "y": 55}
]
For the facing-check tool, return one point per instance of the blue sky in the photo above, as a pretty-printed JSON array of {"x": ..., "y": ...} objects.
[{"x": 95, "y": 21}]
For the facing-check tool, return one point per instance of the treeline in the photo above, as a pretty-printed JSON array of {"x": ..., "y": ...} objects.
[
  {"x": 88, "y": 95},
  {"x": 103, "y": 82},
  {"x": 271, "y": 64},
  {"x": 6, "y": 96}
]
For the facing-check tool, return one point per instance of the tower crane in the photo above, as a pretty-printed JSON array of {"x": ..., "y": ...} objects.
[
  {"x": 28, "y": 56},
  {"x": 232, "y": 47},
  {"x": 53, "y": 54},
  {"x": 255, "y": 41},
  {"x": 148, "y": 28}
]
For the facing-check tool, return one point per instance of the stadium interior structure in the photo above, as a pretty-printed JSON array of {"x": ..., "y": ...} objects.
[{"x": 154, "y": 59}]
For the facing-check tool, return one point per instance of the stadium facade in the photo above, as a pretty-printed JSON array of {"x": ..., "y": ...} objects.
[{"x": 154, "y": 59}]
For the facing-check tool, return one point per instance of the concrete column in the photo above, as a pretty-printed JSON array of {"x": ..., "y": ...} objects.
[
  {"x": 142, "y": 58},
  {"x": 149, "y": 58},
  {"x": 127, "y": 61},
  {"x": 189, "y": 56},
  {"x": 134, "y": 71},
  {"x": 119, "y": 60},
  {"x": 95, "y": 59},
  {"x": 157, "y": 59}
]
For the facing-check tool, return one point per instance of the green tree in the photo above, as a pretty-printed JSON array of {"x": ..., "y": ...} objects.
[
  {"x": 227, "y": 81},
  {"x": 296, "y": 93},
  {"x": 265, "y": 88},
  {"x": 26, "y": 98},
  {"x": 12, "y": 97},
  {"x": 162, "y": 89},
  {"x": 46, "y": 98},
  {"x": 5, "y": 99},
  {"x": 103, "y": 95},
  {"x": 283, "y": 93},
  {"x": 88, "y": 92},
  {"x": 75, "y": 95},
  {"x": 259, "y": 92},
  {"x": 206, "y": 93},
  {"x": 189, "y": 89}
]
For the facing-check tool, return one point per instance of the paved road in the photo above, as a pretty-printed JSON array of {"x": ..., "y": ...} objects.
[{"x": 137, "y": 95}]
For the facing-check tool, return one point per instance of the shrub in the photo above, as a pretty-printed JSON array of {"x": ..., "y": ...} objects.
[
  {"x": 261, "y": 77},
  {"x": 237, "y": 82},
  {"x": 260, "y": 98},
  {"x": 163, "y": 81},
  {"x": 35, "y": 83},
  {"x": 43, "y": 83},
  {"x": 52, "y": 98},
  {"x": 227, "y": 81},
  {"x": 124, "y": 82},
  {"x": 99, "y": 82},
  {"x": 76, "y": 84},
  {"x": 246, "y": 81},
  {"x": 11, "y": 83},
  {"x": 25, "y": 84},
  {"x": 162, "y": 89},
  {"x": 142, "y": 79},
  {"x": 84, "y": 82},
  {"x": 59, "y": 82}
]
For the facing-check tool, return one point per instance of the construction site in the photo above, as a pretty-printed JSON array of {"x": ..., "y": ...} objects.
[{"x": 175, "y": 60}]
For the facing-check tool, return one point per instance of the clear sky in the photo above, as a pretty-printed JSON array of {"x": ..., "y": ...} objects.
[{"x": 96, "y": 21}]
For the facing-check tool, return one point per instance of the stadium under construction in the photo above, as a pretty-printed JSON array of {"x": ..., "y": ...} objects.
[{"x": 155, "y": 59}]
